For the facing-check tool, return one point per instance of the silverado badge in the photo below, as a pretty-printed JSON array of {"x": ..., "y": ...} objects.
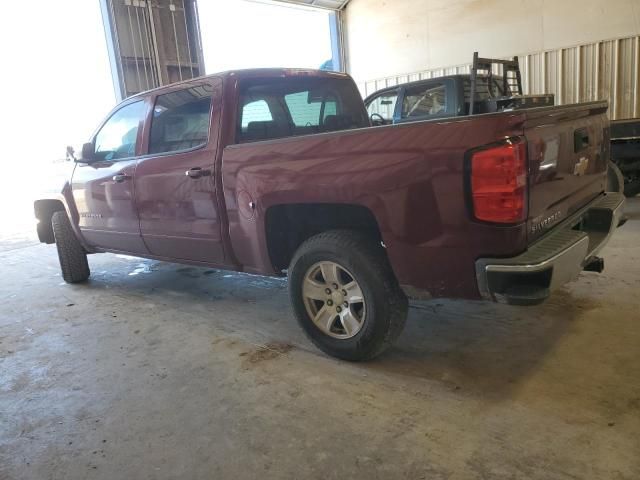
[{"x": 542, "y": 223}]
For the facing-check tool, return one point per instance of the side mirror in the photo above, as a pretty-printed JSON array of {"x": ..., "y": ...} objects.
[{"x": 88, "y": 152}]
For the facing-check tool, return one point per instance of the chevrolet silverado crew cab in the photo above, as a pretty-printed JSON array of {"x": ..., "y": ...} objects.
[{"x": 279, "y": 172}]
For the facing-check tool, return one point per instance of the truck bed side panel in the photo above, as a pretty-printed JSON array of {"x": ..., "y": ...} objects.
[{"x": 410, "y": 176}]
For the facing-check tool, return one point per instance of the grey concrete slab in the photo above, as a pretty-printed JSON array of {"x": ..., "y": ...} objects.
[{"x": 154, "y": 371}]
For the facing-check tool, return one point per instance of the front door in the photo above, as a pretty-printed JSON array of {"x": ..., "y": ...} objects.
[
  {"x": 175, "y": 180},
  {"x": 103, "y": 189}
]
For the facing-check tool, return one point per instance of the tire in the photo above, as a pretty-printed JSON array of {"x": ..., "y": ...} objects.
[
  {"x": 73, "y": 258},
  {"x": 615, "y": 180},
  {"x": 363, "y": 329},
  {"x": 632, "y": 189}
]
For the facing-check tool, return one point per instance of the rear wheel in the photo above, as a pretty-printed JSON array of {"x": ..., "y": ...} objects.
[
  {"x": 73, "y": 258},
  {"x": 345, "y": 295},
  {"x": 632, "y": 188}
]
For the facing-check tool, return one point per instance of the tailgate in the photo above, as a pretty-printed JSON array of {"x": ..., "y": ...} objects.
[{"x": 568, "y": 150}]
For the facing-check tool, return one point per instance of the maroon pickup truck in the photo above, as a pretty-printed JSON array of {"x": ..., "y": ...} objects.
[{"x": 278, "y": 172}]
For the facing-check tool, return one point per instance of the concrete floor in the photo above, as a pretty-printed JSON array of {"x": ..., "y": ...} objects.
[{"x": 154, "y": 371}]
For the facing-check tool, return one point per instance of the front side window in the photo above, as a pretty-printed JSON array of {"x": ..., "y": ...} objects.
[
  {"x": 383, "y": 105},
  {"x": 180, "y": 120},
  {"x": 117, "y": 137},
  {"x": 424, "y": 100},
  {"x": 276, "y": 107}
]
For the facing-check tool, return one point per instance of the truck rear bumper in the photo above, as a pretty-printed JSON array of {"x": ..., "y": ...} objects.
[{"x": 555, "y": 259}]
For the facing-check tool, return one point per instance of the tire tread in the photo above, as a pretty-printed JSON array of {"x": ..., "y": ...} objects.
[{"x": 73, "y": 258}]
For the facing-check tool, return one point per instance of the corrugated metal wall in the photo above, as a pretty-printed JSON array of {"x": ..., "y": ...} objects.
[{"x": 604, "y": 70}]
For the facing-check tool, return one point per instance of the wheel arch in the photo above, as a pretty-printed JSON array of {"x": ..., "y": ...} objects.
[
  {"x": 44, "y": 210},
  {"x": 288, "y": 225}
]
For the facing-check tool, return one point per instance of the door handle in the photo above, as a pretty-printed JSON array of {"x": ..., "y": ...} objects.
[
  {"x": 120, "y": 177},
  {"x": 197, "y": 172}
]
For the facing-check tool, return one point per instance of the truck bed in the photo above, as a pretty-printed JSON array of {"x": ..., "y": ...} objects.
[{"x": 412, "y": 177}]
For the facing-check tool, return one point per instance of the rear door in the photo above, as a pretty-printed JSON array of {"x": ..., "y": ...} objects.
[
  {"x": 103, "y": 190},
  {"x": 175, "y": 180},
  {"x": 568, "y": 149}
]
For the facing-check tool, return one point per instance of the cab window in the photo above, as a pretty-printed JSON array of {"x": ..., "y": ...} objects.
[
  {"x": 117, "y": 137},
  {"x": 424, "y": 100},
  {"x": 257, "y": 111},
  {"x": 307, "y": 111},
  {"x": 180, "y": 120},
  {"x": 277, "y": 108},
  {"x": 383, "y": 106}
]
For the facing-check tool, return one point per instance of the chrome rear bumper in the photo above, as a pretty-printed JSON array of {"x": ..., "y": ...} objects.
[{"x": 555, "y": 259}]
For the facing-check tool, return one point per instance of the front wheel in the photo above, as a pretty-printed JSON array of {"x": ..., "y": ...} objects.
[
  {"x": 345, "y": 295},
  {"x": 73, "y": 258}
]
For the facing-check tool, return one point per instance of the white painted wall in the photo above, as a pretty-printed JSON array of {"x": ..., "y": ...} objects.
[{"x": 385, "y": 38}]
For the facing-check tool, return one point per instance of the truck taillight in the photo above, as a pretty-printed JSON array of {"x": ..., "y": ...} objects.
[{"x": 499, "y": 183}]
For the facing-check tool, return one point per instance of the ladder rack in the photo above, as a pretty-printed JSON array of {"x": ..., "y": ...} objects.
[{"x": 511, "y": 79}]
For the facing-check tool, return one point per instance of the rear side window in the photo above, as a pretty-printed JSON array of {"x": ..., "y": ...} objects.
[
  {"x": 284, "y": 107},
  {"x": 425, "y": 100},
  {"x": 180, "y": 120},
  {"x": 383, "y": 105}
]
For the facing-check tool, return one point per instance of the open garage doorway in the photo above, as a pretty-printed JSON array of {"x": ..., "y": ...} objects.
[
  {"x": 249, "y": 34},
  {"x": 57, "y": 90}
]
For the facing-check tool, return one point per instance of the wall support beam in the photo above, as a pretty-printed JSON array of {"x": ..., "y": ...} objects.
[{"x": 337, "y": 44}]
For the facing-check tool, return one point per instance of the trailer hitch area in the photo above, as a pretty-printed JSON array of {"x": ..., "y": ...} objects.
[{"x": 594, "y": 264}]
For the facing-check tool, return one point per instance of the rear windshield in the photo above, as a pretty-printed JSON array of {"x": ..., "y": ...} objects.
[{"x": 285, "y": 107}]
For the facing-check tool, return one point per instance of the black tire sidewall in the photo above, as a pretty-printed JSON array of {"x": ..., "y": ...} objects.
[
  {"x": 632, "y": 189},
  {"x": 376, "y": 325}
]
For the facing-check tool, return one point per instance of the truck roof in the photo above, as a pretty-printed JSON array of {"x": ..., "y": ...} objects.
[
  {"x": 424, "y": 80},
  {"x": 255, "y": 73},
  {"x": 416, "y": 82}
]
